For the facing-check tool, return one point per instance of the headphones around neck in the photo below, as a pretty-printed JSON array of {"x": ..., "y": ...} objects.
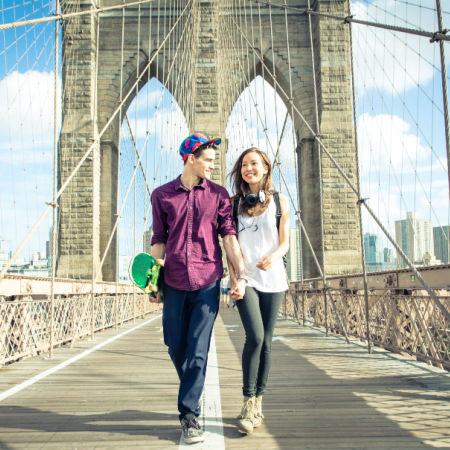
[{"x": 252, "y": 199}]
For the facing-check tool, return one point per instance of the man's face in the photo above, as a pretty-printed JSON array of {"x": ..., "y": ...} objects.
[{"x": 204, "y": 164}]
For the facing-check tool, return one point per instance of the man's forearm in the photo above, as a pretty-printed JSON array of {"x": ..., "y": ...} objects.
[
  {"x": 234, "y": 254},
  {"x": 158, "y": 251}
]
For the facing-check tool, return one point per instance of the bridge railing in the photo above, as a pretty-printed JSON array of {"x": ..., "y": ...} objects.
[
  {"x": 30, "y": 326},
  {"x": 399, "y": 320}
]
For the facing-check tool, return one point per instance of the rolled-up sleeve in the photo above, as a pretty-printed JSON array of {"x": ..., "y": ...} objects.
[
  {"x": 225, "y": 219},
  {"x": 159, "y": 220}
]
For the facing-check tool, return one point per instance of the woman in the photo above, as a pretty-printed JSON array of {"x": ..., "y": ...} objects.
[{"x": 263, "y": 244}]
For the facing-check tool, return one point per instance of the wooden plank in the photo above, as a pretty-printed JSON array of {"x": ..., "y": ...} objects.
[{"x": 322, "y": 393}]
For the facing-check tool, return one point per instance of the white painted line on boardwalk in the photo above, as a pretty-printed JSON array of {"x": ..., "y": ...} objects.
[
  {"x": 60, "y": 366},
  {"x": 279, "y": 338},
  {"x": 211, "y": 415}
]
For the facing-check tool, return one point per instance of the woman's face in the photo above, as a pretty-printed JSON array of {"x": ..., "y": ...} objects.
[{"x": 253, "y": 168}]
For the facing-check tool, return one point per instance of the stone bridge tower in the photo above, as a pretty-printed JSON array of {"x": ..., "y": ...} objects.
[{"x": 92, "y": 83}]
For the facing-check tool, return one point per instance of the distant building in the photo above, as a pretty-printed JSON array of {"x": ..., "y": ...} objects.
[
  {"x": 388, "y": 255},
  {"x": 373, "y": 251},
  {"x": 415, "y": 237},
  {"x": 148, "y": 240},
  {"x": 441, "y": 236},
  {"x": 124, "y": 263},
  {"x": 293, "y": 260},
  {"x": 4, "y": 253}
]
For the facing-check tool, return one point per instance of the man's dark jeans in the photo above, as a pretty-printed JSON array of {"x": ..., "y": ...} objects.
[{"x": 188, "y": 320}]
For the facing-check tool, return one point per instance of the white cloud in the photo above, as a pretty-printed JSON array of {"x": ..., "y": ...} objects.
[
  {"x": 399, "y": 173},
  {"x": 392, "y": 61},
  {"x": 386, "y": 142},
  {"x": 27, "y": 107}
]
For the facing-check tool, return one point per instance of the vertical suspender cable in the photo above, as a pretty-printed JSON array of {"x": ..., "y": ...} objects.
[
  {"x": 358, "y": 187},
  {"x": 97, "y": 17},
  {"x": 444, "y": 88},
  {"x": 135, "y": 156},
  {"x": 118, "y": 166},
  {"x": 319, "y": 156},
  {"x": 55, "y": 182}
]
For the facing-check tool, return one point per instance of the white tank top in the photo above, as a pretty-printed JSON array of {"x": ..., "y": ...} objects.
[{"x": 258, "y": 237}]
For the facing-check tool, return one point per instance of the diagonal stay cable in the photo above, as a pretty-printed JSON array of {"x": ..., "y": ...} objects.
[
  {"x": 116, "y": 223},
  {"x": 96, "y": 141},
  {"x": 351, "y": 185},
  {"x": 22, "y": 23},
  {"x": 434, "y": 36},
  {"x": 297, "y": 212}
]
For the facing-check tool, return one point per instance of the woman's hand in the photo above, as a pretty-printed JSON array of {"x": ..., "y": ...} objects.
[
  {"x": 237, "y": 290},
  {"x": 265, "y": 263}
]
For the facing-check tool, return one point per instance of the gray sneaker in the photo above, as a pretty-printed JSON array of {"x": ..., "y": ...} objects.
[{"x": 192, "y": 431}]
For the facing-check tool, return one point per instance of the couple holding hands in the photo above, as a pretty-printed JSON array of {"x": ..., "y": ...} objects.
[{"x": 189, "y": 214}]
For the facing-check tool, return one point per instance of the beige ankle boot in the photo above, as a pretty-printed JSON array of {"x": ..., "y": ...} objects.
[
  {"x": 258, "y": 416},
  {"x": 246, "y": 418}
]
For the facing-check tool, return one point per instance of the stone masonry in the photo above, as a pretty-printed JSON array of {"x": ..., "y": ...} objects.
[{"x": 88, "y": 207}]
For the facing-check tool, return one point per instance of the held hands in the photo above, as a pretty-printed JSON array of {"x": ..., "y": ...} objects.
[
  {"x": 237, "y": 290},
  {"x": 265, "y": 263}
]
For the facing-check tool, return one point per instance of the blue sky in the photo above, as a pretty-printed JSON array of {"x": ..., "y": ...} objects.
[{"x": 398, "y": 97}]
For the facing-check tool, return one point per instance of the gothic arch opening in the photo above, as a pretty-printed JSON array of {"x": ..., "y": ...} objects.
[{"x": 151, "y": 131}]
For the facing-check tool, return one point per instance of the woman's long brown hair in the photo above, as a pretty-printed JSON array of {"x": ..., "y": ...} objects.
[{"x": 241, "y": 187}]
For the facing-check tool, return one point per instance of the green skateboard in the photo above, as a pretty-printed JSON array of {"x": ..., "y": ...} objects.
[{"x": 146, "y": 272}]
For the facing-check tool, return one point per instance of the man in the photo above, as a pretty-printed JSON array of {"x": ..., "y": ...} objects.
[{"x": 189, "y": 214}]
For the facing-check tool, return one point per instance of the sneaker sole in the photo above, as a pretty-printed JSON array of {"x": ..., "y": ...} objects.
[
  {"x": 244, "y": 430},
  {"x": 194, "y": 440}
]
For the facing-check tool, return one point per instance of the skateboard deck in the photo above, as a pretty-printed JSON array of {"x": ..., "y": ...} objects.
[{"x": 146, "y": 272}]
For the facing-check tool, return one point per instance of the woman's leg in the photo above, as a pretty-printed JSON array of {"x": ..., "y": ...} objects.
[
  {"x": 269, "y": 305},
  {"x": 254, "y": 335}
]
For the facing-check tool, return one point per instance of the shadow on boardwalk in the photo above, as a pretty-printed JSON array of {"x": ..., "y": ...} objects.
[
  {"x": 324, "y": 393},
  {"x": 131, "y": 422}
]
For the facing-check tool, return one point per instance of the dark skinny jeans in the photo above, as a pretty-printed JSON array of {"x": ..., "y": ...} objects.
[{"x": 258, "y": 311}]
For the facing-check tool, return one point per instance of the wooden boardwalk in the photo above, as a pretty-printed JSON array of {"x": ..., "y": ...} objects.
[{"x": 323, "y": 393}]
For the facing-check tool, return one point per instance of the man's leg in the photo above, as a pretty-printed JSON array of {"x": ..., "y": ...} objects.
[
  {"x": 203, "y": 306},
  {"x": 175, "y": 325}
]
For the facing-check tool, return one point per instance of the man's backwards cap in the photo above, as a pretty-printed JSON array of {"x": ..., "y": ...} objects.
[{"x": 193, "y": 142}]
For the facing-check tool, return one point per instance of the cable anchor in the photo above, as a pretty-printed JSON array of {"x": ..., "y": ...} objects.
[
  {"x": 348, "y": 19},
  {"x": 362, "y": 200},
  {"x": 438, "y": 35}
]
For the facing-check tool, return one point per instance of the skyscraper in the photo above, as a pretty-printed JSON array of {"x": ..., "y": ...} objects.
[
  {"x": 148, "y": 240},
  {"x": 373, "y": 251},
  {"x": 441, "y": 236},
  {"x": 293, "y": 266},
  {"x": 415, "y": 237}
]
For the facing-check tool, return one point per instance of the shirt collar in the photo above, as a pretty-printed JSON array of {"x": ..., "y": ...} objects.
[{"x": 180, "y": 186}]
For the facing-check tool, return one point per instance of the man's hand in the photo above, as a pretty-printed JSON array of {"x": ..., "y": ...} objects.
[
  {"x": 156, "y": 299},
  {"x": 237, "y": 290}
]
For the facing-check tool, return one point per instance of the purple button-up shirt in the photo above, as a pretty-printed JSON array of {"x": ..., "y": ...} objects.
[{"x": 189, "y": 223}]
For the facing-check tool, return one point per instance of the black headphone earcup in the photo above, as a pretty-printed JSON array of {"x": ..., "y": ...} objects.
[{"x": 251, "y": 199}]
